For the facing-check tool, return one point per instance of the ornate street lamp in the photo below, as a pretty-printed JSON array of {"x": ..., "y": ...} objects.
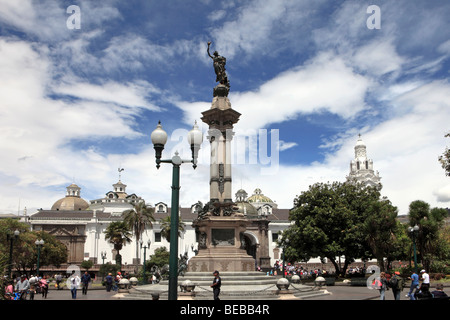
[
  {"x": 103, "y": 255},
  {"x": 285, "y": 243},
  {"x": 11, "y": 237},
  {"x": 39, "y": 244},
  {"x": 414, "y": 231},
  {"x": 159, "y": 139},
  {"x": 145, "y": 253}
]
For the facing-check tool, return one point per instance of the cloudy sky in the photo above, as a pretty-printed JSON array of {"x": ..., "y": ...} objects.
[{"x": 82, "y": 90}]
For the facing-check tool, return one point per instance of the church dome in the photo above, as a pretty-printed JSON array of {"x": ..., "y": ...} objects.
[
  {"x": 246, "y": 208},
  {"x": 259, "y": 197},
  {"x": 72, "y": 201}
]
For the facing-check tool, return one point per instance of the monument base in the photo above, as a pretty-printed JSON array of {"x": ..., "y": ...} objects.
[
  {"x": 221, "y": 261},
  {"x": 221, "y": 245}
]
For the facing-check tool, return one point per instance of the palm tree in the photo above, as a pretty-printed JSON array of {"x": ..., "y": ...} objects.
[
  {"x": 137, "y": 220},
  {"x": 165, "y": 228},
  {"x": 119, "y": 235}
]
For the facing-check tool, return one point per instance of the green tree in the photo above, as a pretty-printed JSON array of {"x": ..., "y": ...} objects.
[
  {"x": 119, "y": 235},
  {"x": 444, "y": 159},
  {"x": 53, "y": 252},
  {"x": 383, "y": 232},
  {"x": 430, "y": 221},
  {"x": 329, "y": 223},
  {"x": 160, "y": 258},
  {"x": 165, "y": 227},
  {"x": 138, "y": 219},
  {"x": 87, "y": 264}
]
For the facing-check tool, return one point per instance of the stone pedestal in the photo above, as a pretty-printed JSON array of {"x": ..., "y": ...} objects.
[{"x": 220, "y": 246}]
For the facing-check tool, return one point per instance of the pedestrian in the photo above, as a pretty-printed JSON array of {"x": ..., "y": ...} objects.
[
  {"x": 58, "y": 278},
  {"x": 414, "y": 286},
  {"x": 85, "y": 279},
  {"x": 9, "y": 290},
  {"x": 383, "y": 286},
  {"x": 74, "y": 282},
  {"x": 22, "y": 287},
  {"x": 397, "y": 284},
  {"x": 43, "y": 284},
  {"x": 217, "y": 282},
  {"x": 109, "y": 281},
  {"x": 439, "y": 292},
  {"x": 34, "y": 286},
  {"x": 424, "y": 290}
]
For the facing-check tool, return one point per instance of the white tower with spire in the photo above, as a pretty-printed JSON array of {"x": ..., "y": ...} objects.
[{"x": 361, "y": 168}]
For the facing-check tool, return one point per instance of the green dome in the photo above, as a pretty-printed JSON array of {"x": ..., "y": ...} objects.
[
  {"x": 246, "y": 208},
  {"x": 259, "y": 197}
]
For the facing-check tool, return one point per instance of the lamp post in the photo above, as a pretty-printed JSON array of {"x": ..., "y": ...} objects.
[
  {"x": 414, "y": 231},
  {"x": 11, "y": 237},
  {"x": 159, "y": 139},
  {"x": 103, "y": 255},
  {"x": 285, "y": 243},
  {"x": 145, "y": 253},
  {"x": 39, "y": 244}
]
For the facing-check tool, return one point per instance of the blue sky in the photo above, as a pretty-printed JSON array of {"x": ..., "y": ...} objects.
[{"x": 307, "y": 77}]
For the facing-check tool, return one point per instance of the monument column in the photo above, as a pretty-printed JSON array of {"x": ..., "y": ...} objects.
[{"x": 219, "y": 226}]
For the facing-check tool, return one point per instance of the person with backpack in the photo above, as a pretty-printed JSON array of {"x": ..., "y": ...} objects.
[
  {"x": 383, "y": 285},
  {"x": 396, "y": 283}
]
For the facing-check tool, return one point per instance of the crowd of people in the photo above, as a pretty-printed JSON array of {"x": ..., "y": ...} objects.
[
  {"x": 419, "y": 288},
  {"x": 22, "y": 288},
  {"x": 25, "y": 288},
  {"x": 291, "y": 269}
]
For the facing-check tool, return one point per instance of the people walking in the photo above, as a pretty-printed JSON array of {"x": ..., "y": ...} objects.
[
  {"x": 43, "y": 284},
  {"x": 397, "y": 284},
  {"x": 383, "y": 286},
  {"x": 74, "y": 282},
  {"x": 217, "y": 282},
  {"x": 58, "y": 278},
  {"x": 414, "y": 286},
  {"x": 22, "y": 287},
  {"x": 85, "y": 279},
  {"x": 109, "y": 282}
]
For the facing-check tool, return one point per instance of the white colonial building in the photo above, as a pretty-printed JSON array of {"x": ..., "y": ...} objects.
[{"x": 81, "y": 224}]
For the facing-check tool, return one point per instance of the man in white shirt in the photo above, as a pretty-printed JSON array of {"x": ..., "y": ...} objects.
[{"x": 425, "y": 287}]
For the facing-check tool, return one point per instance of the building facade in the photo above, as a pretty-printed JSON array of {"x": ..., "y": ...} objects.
[{"x": 81, "y": 224}]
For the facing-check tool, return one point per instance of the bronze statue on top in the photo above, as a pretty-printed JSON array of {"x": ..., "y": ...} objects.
[{"x": 221, "y": 76}]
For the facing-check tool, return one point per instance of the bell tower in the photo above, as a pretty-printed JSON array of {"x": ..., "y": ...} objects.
[{"x": 361, "y": 167}]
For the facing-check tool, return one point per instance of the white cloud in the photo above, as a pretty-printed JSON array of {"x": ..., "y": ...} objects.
[
  {"x": 129, "y": 94},
  {"x": 323, "y": 84}
]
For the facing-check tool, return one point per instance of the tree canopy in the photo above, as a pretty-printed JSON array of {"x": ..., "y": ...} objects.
[{"x": 333, "y": 220}]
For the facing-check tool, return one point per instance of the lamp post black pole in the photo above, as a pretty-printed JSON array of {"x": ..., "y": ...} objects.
[
  {"x": 39, "y": 244},
  {"x": 414, "y": 230},
  {"x": 159, "y": 138},
  {"x": 173, "y": 258},
  {"x": 11, "y": 238}
]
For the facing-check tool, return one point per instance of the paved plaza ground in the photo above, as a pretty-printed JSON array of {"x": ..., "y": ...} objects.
[{"x": 339, "y": 292}]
